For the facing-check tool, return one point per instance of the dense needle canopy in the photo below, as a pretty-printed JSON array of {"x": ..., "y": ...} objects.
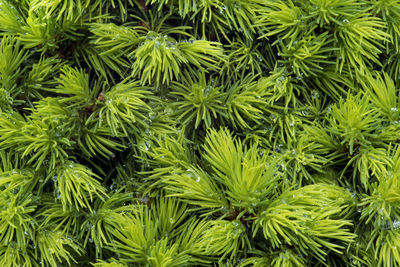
[{"x": 199, "y": 133}]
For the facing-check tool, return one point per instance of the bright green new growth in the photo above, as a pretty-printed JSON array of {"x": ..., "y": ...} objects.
[{"x": 199, "y": 133}]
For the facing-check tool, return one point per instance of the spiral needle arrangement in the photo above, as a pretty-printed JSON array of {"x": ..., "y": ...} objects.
[{"x": 179, "y": 133}]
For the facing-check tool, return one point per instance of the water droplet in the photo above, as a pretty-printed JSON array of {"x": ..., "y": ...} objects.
[
  {"x": 189, "y": 172},
  {"x": 144, "y": 199},
  {"x": 198, "y": 179},
  {"x": 299, "y": 76},
  {"x": 170, "y": 44},
  {"x": 108, "y": 101},
  {"x": 147, "y": 146},
  {"x": 90, "y": 240},
  {"x": 304, "y": 113},
  {"x": 346, "y": 21},
  {"x": 171, "y": 220},
  {"x": 224, "y": 209},
  {"x": 207, "y": 90},
  {"x": 113, "y": 187},
  {"x": 282, "y": 167},
  {"x": 26, "y": 233},
  {"x": 394, "y": 109}
]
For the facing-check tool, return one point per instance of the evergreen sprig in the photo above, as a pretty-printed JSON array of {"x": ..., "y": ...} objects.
[{"x": 199, "y": 133}]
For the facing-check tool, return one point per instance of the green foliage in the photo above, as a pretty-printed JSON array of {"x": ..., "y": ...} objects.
[
  {"x": 354, "y": 47},
  {"x": 53, "y": 247},
  {"x": 197, "y": 100},
  {"x": 12, "y": 55},
  {"x": 308, "y": 56},
  {"x": 160, "y": 54},
  {"x": 76, "y": 84},
  {"x": 199, "y": 133},
  {"x": 75, "y": 183},
  {"x": 123, "y": 106}
]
